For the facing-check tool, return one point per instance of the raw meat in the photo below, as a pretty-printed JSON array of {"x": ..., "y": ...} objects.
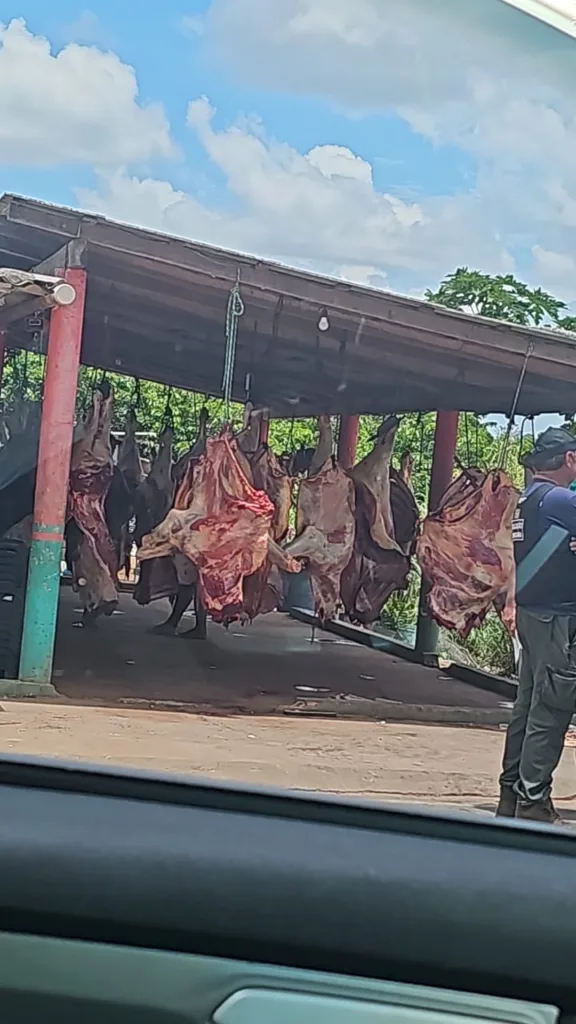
[
  {"x": 270, "y": 476},
  {"x": 248, "y": 440},
  {"x": 152, "y": 501},
  {"x": 264, "y": 591},
  {"x": 405, "y": 511},
  {"x": 129, "y": 462},
  {"x": 325, "y": 524},
  {"x": 465, "y": 551},
  {"x": 119, "y": 506},
  {"x": 155, "y": 494},
  {"x": 386, "y": 528},
  {"x": 225, "y": 531},
  {"x": 94, "y": 560}
]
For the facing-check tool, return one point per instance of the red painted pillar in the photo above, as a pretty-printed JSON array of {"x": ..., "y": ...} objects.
[
  {"x": 348, "y": 440},
  {"x": 445, "y": 440},
  {"x": 52, "y": 477}
]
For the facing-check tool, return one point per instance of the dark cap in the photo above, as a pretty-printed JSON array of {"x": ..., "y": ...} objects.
[{"x": 554, "y": 441}]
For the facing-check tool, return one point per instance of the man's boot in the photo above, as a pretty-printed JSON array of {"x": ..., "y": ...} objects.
[
  {"x": 540, "y": 810},
  {"x": 507, "y": 804}
]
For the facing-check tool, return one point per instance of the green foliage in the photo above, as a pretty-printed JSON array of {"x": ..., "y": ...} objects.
[{"x": 501, "y": 297}]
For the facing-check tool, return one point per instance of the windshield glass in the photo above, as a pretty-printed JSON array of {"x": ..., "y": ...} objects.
[{"x": 287, "y": 336}]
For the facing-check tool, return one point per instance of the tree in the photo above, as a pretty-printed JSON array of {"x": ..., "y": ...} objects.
[{"x": 501, "y": 297}]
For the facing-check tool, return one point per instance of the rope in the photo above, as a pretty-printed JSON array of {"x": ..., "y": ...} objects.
[
  {"x": 467, "y": 438},
  {"x": 291, "y": 435},
  {"x": 234, "y": 310},
  {"x": 512, "y": 414},
  {"x": 136, "y": 395},
  {"x": 168, "y": 418}
]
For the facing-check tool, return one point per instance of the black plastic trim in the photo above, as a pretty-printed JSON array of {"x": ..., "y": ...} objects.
[{"x": 280, "y": 878}]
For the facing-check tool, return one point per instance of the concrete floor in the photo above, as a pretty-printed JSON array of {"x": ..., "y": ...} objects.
[{"x": 255, "y": 669}]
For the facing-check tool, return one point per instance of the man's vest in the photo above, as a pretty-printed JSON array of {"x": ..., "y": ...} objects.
[{"x": 545, "y": 566}]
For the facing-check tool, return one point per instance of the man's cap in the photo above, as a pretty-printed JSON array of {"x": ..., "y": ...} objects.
[{"x": 554, "y": 441}]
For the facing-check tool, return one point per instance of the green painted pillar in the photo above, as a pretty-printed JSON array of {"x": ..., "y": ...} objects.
[{"x": 52, "y": 477}]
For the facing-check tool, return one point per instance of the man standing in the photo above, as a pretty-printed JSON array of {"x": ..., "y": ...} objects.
[{"x": 544, "y": 524}]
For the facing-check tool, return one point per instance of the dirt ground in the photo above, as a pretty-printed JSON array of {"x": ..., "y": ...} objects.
[
  {"x": 422, "y": 764},
  {"x": 258, "y": 669}
]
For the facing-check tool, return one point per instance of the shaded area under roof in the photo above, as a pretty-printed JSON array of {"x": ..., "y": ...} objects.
[{"x": 156, "y": 309}]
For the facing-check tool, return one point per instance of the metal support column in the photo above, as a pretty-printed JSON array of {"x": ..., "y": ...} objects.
[
  {"x": 348, "y": 440},
  {"x": 56, "y": 432},
  {"x": 445, "y": 440}
]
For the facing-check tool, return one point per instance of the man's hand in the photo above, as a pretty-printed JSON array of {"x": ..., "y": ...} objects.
[{"x": 573, "y": 545}]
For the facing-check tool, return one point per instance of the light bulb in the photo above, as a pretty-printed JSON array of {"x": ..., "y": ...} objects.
[{"x": 323, "y": 321}]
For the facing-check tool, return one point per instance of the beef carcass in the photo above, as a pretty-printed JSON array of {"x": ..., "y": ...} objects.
[
  {"x": 119, "y": 507},
  {"x": 225, "y": 532},
  {"x": 93, "y": 556},
  {"x": 465, "y": 551},
  {"x": 263, "y": 591},
  {"x": 270, "y": 476},
  {"x": 152, "y": 501},
  {"x": 184, "y": 572},
  {"x": 386, "y": 527},
  {"x": 325, "y": 523},
  {"x": 248, "y": 439}
]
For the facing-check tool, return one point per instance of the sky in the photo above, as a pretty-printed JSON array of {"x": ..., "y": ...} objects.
[
  {"x": 382, "y": 141},
  {"x": 385, "y": 142}
]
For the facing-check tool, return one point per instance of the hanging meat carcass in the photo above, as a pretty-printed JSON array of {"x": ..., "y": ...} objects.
[
  {"x": 465, "y": 551},
  {"x": 93, "y": 556},
  {"x": 152, "y": 501},
  {"x": 225, "y": 532},
  {"x": 386, "y": 529},
  {"x": 263, "y": 591},
  {"x": 184, "y": 574},
  {"x": 119, "y": 506},
  {"x": 325, "y": 523}
]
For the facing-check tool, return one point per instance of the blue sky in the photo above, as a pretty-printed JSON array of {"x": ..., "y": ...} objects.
[
  {"x": 385, "y": 141},
  {"x": 172, "y": 66}
]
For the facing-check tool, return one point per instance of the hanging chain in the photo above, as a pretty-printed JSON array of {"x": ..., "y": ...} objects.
[
  {"x": 467, "y": 439},
  {"x": 234, "y": 310},
  {"x": 516, "y": 399},
  {"x": 168, "y": 419}
]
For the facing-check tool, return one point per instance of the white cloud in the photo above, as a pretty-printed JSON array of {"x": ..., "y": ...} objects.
[
  {"x": 78, "y": 105},
  {"x": 478, "y": 75},
  {"x": 449, "y": 69},
  {"x": 318, "y": 209}
]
